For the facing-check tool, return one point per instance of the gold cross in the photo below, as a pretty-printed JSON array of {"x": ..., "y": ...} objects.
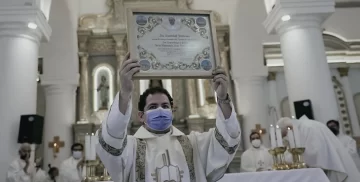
[
  {"x": 259, "y": 129},
  {"x": 56, "y": 144}
]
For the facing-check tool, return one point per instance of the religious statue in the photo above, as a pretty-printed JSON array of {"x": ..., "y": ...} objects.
[{"x": 103, "y": 89}]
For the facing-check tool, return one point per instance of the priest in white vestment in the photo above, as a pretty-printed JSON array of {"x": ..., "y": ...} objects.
[
  {"x": 257, "y": 158},
  {"x": 21, "y": 169},
  {"x": 322, "y": 149},
  {"x": 159, "y": 151},
  {"x": 348, "y": 142},
  {"x": 72, "y": 169}
]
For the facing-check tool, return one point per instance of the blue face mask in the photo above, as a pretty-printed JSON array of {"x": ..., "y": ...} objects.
[{"x": 159, "y": 119}]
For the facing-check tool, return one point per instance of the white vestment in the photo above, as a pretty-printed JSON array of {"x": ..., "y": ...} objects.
[
  {"x": 69, "y": 172},
  {"x": 165, "y": 159},
  {"x": 40, "y": 176},
  {"x": 350, "y": 144},
  {"x": 323, "y": 150},
  {"x": 256, "y": 158},
  {"x": 16, "y": 171}
]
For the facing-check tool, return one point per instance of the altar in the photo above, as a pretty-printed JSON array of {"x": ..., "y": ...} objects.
[{"x": 298, "y": 175}]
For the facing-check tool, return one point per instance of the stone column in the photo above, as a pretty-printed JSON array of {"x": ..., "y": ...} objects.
[
  {"x": 252, "y": 105},
  {"x": 19, "y": 48},
  {"x": 274, "y": 101},
  {"x": 350, "y": 101},
  {"x": 84, "y": 87},
  {"x": 59, "y": 118},
  {"x": 121, "y": 50},
  {"x": 306, "y": 69}
]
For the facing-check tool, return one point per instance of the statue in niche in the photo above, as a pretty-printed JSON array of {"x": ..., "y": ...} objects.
[
  {"x": 103, "y": 90},
  {"x": 155, "y": 83}
]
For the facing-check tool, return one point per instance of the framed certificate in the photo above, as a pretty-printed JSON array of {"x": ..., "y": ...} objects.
[{"x": 170, "y": 44}]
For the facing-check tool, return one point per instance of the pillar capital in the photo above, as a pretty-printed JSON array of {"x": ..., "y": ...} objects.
[
  {"x": 59, "y": 82},
  {"x": 288, "y": 15},
  {"x": 343, "y": 71},
  {"x": 83, "y": 55},
  {"x": 271, "y": 76},
  {"x": 24, "y": 21},
  {"x": 54, "y": 89}
]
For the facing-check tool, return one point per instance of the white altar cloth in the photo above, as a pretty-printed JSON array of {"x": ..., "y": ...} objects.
[{"x": 299, "y": 175}]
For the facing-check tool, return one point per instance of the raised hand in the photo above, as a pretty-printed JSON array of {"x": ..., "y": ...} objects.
[
  {"x": 220, "y": 83},
  {"x": 128, "y": 68}
]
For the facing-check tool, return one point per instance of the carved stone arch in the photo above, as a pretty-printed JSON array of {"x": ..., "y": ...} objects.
[
  {"x": 334, "y": 43},
  {"x": 357, "y": 104},
  {"x": 285, "y": 107},
  {"x": 344, "y": 117}
]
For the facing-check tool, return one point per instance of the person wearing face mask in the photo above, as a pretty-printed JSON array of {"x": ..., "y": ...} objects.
[
  {"x": 158, "y": 151},
  {"x": 21, "y": 169},
  {"x": 72, "y": 169},
  {"x": 257, "y": 157},
  {"x": 348, "y": 142}
]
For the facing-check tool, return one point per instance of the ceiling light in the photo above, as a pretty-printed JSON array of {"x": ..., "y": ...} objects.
[
  {"x": 286, "y": 18},
  {"x": 32, "y": 25}
]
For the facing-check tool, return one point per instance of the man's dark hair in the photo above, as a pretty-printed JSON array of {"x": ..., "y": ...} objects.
[
  {"x": 153, "y": 90},
  {"x": 77, "y": 145},
  {"x": 253, "y": 133},
  {"x": 333, "y": 121}
]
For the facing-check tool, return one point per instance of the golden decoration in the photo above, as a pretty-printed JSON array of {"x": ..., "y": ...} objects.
[{"x": 56, "y": 144}]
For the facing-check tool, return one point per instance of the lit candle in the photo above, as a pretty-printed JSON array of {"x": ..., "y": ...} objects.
[
  {"x": 279, "y": 141},
  {"x": 87, "y": 147},
  {"x": 296, "y": 137},
  {"x": 290, "y": 135},
  {"x": 272, "y": 136}
]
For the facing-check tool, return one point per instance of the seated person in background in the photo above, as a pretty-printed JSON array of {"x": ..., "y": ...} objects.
[
  {"x": 348, "y": 142},
  {"x": 322, "y": 149},
  {"x": 159, "y": 151},
  {"x": 257, "y": 157},
  {"x": 72, "y": 169},
  {"x": 21, "y": 169}
]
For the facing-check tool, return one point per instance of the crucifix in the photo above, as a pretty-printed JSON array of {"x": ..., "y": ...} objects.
[
  {"x": 259, "y": 129},
  {"x": 56, "y": 144}
]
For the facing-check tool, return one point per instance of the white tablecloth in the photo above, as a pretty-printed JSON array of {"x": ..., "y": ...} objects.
[{"x": 299, "y": 175}]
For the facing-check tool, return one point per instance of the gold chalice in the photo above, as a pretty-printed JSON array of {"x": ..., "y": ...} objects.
[
  {"x": 274, "y": 155},
  {"x": 300, "y": 152},
  {"x": 281, "y": 163}
]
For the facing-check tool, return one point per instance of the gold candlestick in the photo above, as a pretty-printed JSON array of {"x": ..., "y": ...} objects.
[
  {"x": 105, "y": 176},
  {"x": 90, "y": 171},
  {"x": 298, "y": 161},
  {"x": 275, "y": 161},
  {"x": 281, "y": 164}
]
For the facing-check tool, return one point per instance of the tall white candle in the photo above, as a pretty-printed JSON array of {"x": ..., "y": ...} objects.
[
  {"x": 272, "y": 136},
  {"x": 296, "y": 136},
  {"x": 279, "y": 141},
  {"x": 93, "y": 147},
  {"x": 87, "y": 147},
  {"x": 290, "y": 135}
]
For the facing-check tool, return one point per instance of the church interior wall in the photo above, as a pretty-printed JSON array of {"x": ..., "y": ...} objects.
[{"x": 354, "y": 77}]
